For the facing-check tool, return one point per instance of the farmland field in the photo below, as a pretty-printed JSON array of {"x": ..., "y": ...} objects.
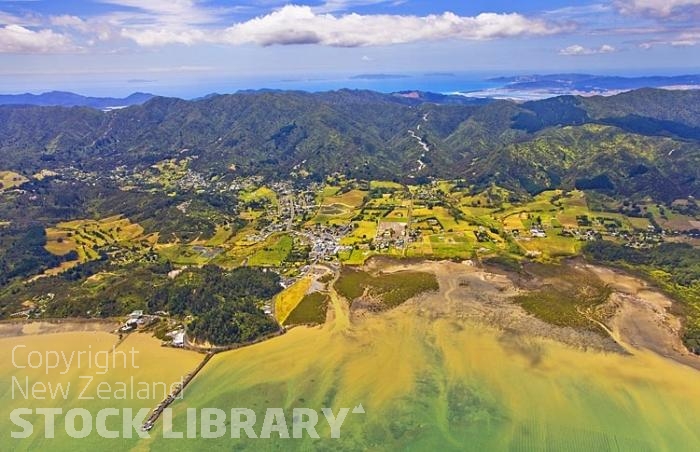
[
  {"x": 364, "y": 231},
  {"x": 221, "y": 235},
  {"x": 352, "y": 198},
  {"x": 274, "y": 251},
  {"x": 84, "y": 236},
  {"x": 355, "y": 256},
  {"x": 385, "y": 185},
  {"x": 183, "y": 254},
  {"x": 451, "y": 245},
  {"x": 260, "y": 194},
  {"x": 287, "y": 300},
  {"x": 333, "y": 214},
  {"x": 9, "y": 179}
]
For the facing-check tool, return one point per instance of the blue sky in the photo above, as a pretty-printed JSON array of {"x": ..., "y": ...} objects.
[{"x": 191, "y": 47}]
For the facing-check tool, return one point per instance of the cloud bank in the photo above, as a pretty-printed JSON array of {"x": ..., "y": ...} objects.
[
  {"x": 661, "y": 8},
  {"x": 293, "y": 24},
  {"x": 158, "y": 23}
]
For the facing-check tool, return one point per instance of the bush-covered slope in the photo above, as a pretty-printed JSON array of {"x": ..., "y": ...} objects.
[{"x": 639, "y": 143}]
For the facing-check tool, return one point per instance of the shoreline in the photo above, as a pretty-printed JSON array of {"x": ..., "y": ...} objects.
[{"x": 638, "y": 316}]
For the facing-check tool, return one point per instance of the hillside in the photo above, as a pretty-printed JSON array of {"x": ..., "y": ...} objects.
[{"x": 640, "y": 143}]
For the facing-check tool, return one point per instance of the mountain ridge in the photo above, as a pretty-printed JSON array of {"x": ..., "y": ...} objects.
[
  {"x": 69, "y": 99},
  {"x": 525, "y": 147}
]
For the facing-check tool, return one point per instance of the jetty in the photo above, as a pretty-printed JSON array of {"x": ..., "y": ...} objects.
[{"x": 158, "y": 410}]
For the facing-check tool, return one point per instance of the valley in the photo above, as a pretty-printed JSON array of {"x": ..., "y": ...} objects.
[
  {"x": 536, "y": 289},
  {"x": 295, "y": 230},
  {"x": 350, "y": 225}
]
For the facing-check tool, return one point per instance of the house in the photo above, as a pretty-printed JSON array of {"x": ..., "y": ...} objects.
[
  {"x": 179, "y": 339},
  {"x": 135, "y": 315},
  {"x": 537, "y": 233},
  {"x": 134, "y": 320}
]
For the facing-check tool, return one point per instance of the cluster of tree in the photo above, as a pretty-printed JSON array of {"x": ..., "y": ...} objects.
[
  {"x": 121, "y": 289},
  {"x": 690, "y": 208},
  {"x": 599, "y": 182},
  {"x": 378, "y": 192},
  {"x": 224, "y": 304},
  {"x": 680, "y": 260},
  {"x": 22, "y": 253},
  {"x": 86, "y": 269},
  {"x": 227, "y": 324}
]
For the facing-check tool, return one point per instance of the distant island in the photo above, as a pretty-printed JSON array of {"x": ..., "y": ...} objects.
[
  {"x": 378, "y": 76},
  {"x": 532, "y": 87}
]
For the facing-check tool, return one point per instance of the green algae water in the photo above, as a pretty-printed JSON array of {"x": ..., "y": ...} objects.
[{"x": 438, "y": 383}]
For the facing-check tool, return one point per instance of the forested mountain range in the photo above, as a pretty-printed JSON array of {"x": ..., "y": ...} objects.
[{"x": 643, "y": 142}]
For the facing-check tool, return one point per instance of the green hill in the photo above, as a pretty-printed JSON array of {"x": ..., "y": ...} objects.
[{"x": 644, "y": 142}]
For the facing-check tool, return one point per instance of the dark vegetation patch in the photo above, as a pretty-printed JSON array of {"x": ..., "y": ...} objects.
[
  {"x": 391, "y": 288},
  {"x": 504, "y": 262},
  {"x": 599, "y": 182},
  {"x": 564, "y": 296},
  {"x": 311, "y": 310},
  {"x": 22, "y": 253},
  {"x": 224, "y": 305}
]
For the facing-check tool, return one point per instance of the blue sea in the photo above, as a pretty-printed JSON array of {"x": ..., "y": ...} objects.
[
  {"x": 190, "y": 85},
  {"x": 386, "y": 83}
]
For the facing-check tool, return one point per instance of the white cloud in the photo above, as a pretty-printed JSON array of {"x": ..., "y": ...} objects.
[
  {"x": 26, "y": 20},
  {"x": 577, "y": 50},
  {"x": 162, "y": 36},
  {"x": 68, "y": 21},
  {"x": 168, "y": 11},
  {"x": 344, "y": 5},
  {"x": 301, "y": 25},
  {"x": 18, "y": 39},
  {"x": 160, "y": 22},
  {"x": 661, "y": 8},
  {"x": 6, "y": 18},
  {"x": 578, "y": 12},
  {"x": 686, "y": 39}
]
